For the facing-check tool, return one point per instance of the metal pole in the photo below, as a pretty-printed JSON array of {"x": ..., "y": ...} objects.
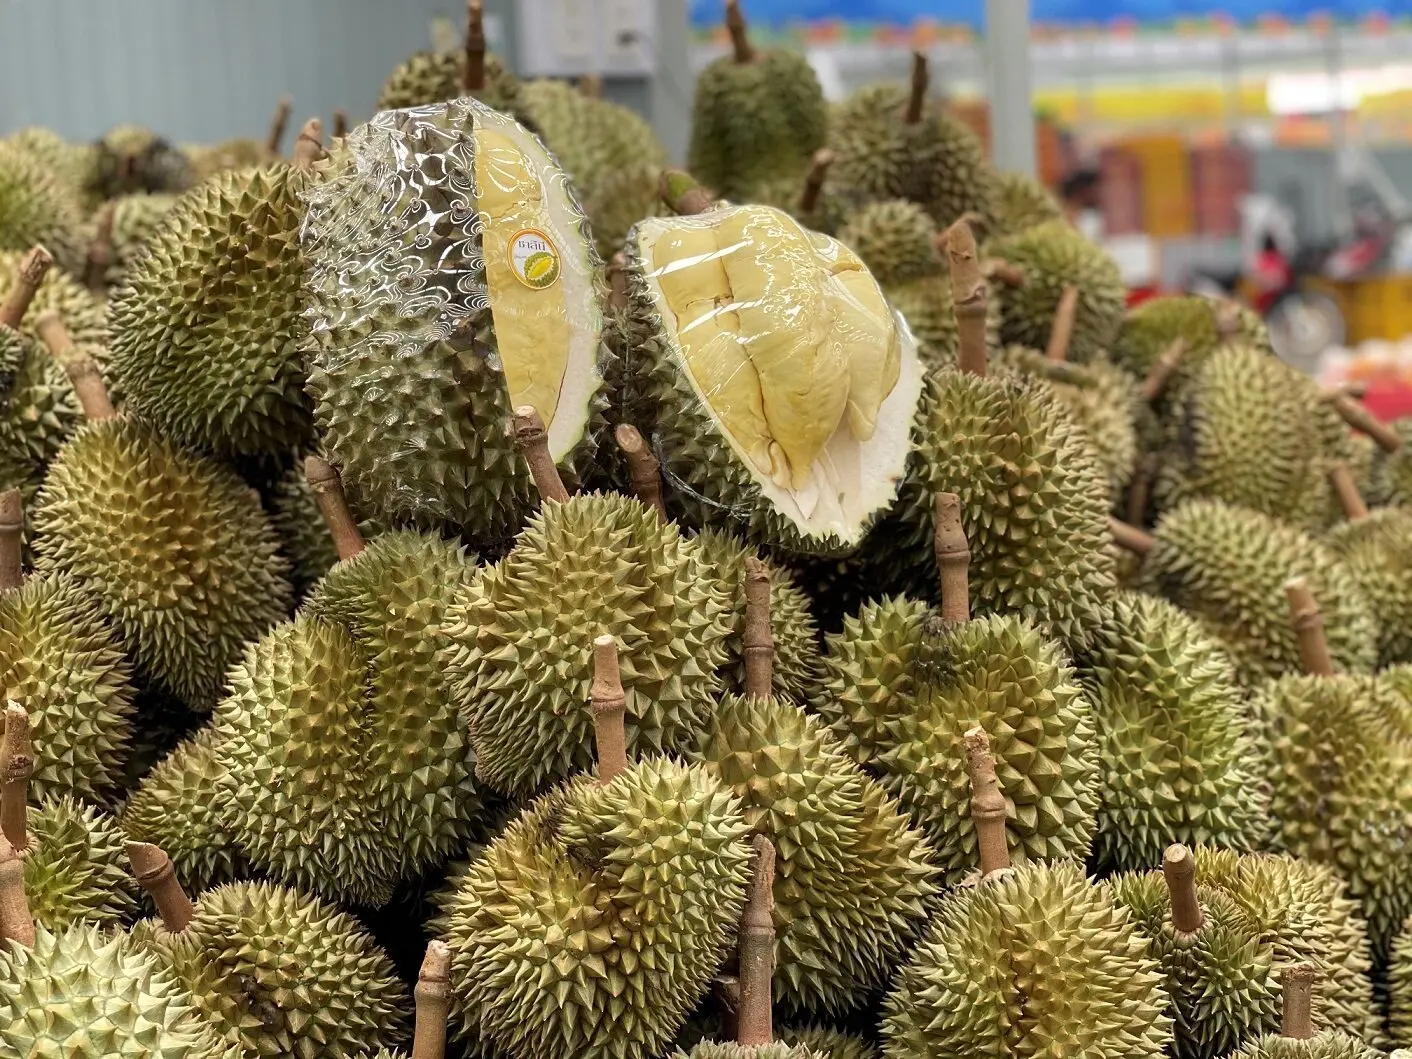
[{"x": 1012, "y": 126}]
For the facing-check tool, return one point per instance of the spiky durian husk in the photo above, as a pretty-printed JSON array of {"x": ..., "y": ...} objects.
[
  {"x": 74, "y": 867},
  {"x": 129, "y": 159},
  {"x": 177, "y": 808},
  {"x": 896, "y": 239},
  {"x": 84, "y": 994},
  {"x": 174, "y": 549},
  {"x": 283, "y": 974},
  {"x": 592, "y": 138},
  {"x": 1377, "y": 552},
  {"x": 1036, "y": 962},
  {"x": 38, "y": 207},
  {"x": 520, "y": 658},
  {"x": 1053, "y": 256},
  {"x": 628, "y": 194},
  {"x": 827, "y": 1043},
  {"x": 853, "y": 878},
  {"x": 1022, "y": 202},
  {"x": 135, "y": 219},
  {"x": 901, "y": 688},
  {"x": 1219, "y": 979},
  {"x": 207, "y": 161},
  {"x": 1180, "y": 759},
  {"x": 730, "y": 1050},
  {"x": 37, "y": 414},
  {"x": 84, "y": 315},
  {"x": 596, "y": 921},
  {"x": 1329, "y": 1044},
  {"x": 830, "y": 213},
  {"x": 69, "y": 162},
  {"x": 1392, "y": 472},
  {"x": 303, "y": 536},
  {"x": 1227, "y": 567},
  {"x": 928, "y": 307},
  {"x": 434, "y": 77}
]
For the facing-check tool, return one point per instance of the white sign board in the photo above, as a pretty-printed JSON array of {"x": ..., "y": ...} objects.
[{"x": 570, "y": 38}]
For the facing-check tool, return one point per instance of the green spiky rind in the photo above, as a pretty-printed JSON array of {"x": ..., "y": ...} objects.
[
  {"x": 520, "y": 659},
  {"x": 283, "y": 974},
  {"x": 174, "y": 548},
  {"x": 1338, "y": 765},
  {"x": 38, "y": 207},
  {"x": 74, "y": 867},
  {"x": 795, "y": 667},
  {"x": 295, "y": 744},
  {"x": 393, "y": 598},
  {"x": 1219, "y": 979},
  {"x": 238, "y": 153},
  {"x": 1364, "y": 463},
  {"x": 135, "y": 219},
  {"x": 1227, "y": 567},
  {"x": 207, "y": 327},
  {"x": 777, "y": 1050},
  {"x": 1330, "y": 1044},
  {"x": 177, "y": 808},
  {"x": 1400, "y": 989},
  {"x": 1394, "y": 470},
  {"x": 130, "y": 158},
  {"x": 901, "y": 689},
  {"x": 1302, "y": 910},
  {"x": 591, "y": 137},
  {"x": 84, "y": 994},
  {"x": 37, "y": 415},
  {"x": 1377, "y": 552},
  {"x": 927, "y": 306},
  {"x": 853, "y": 878},
  {"x": 1181, "y": 760},
  {"x": 61, "y": 661},
  {"x": 424, "y": 439},
  {"x": 835, "y": 205},
  {"x": 1038, "y": 962},
  {"x": 1053, "y": 256},
  {"x": 83, "y": 314},
  {"x": 623, "y": 197},
  {"x": 597, "y": 920},
  {"x": 896, "y": 239},
  {"x": 435, "y": 77},
  {"x": 14, "y": 348},
  {"x": 1022, "y": 202},
  {"x": 827, "y": 1043},
  {"x": 304, "y": 537},
  {"x": 756, "y": 121},
  {"x": 68, "y": 162}
]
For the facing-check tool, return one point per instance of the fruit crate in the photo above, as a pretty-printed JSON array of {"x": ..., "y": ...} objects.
[{"x": 1379, "y": 307}]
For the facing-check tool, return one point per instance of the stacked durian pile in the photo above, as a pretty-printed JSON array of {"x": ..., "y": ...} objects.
[{"x": 833, "y": 628}]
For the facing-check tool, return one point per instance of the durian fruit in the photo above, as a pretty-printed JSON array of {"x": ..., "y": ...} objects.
[
  {"x": 1297, "y": 1039},
  {"x": 903, "y": 684},
  {"x": 813, "y": 200},
  {"x": 756, "y": 116},
  {"x": 1227, "y": 568},
  {"x": 827, "y": 1043},
  {"x": 1399, "y": 1020},
  {"x": 280, "y": 973},
  {"x": 429, "y": 323},
  {"x": 891, "y": 142},
  {"x": 624, "y": 196},
  {"x": 240, "y": 153},
  {"x": 125, "y": 226},
  {"x": 206, "y": 330},
  {"x": 437, "y": 76},
  {"x": 130, "y": 159},
  {"x": 1219, "y": 971},
  {"x": 38, "y": 207},
  {"x": 1032, "y": 960},
  {"x": 777, "y": 385},
  {"x": 303, "y": 537},
  {"x": 1392, "y": 469},
  {"x": 1022, "y": 202},
  {"x": 896, "y": 240},
  {"x": 1376, "y": 549},
  {"x": 68, "y": 162},
  {"x": 83, "y": 315},
  {"x": 1149, "y": 329},
  {"x": 1180, "y": 758}
]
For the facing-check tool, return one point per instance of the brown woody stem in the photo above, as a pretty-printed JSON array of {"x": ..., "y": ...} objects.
[
  {"x": 681, "y": 194},
  {"x": 608, "y": 702},
  {"x": 12, "y": 524},
  {"x": 1359, "y": 418},
  {"x": 1005, "y": 272},
  {"x": 968, "y": 295},
  {"x": 758, "y": 637},
  {"x": 1346, "y": 489},
  {"x": 1140, "y": 488},
  {"x": 1135, "y": 540},
  {"x": 1309, "y": 627},
  {"x": 755, "y": 1025},
  {"x": 1297, "y": 1019},
  {"x": 309, "y": 145},
  {"x": 740, "y": 35},
  {"x": 433, "y": 995},
  {"x": 16, "y": 767},
  {"x": 591, "y": 86},
  {"x": 278, "y": 124},
  {"x": 618, "y": 281},
  {"x": 155, "y": 873},
  {"x": 16, "y": 922},
  {"x": 34, "y": 266},
  {"x": 953, "y": 557},
  {"x": 533, "y": 442},
  {"x": 82, "y": 371},
  {"x": 1162, "y": 370},
  {"x": 100, "y": 251},
  {"x": 917, "y": 92},
  {"x": 814, "y": 180},
  {"x": 1061, "y": 332},
  {"x": 340, "y": 123},
  {"x": 987, "y": 803},
  {"x": 324, "y": 480},
  {"x": 473, "y": 77},
  {"x": 644, "y": 471},
  {"x": 1179, "y": 870},
  {"x": 1227, "y": 319}
]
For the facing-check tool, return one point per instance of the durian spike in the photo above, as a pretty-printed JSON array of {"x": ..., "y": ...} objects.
[
  {"x": 1130, "y": 537},
  {"x": 309, "y": 145},
  {"x": 1179, "y": 870},
  {"x": 1061, "y": 333},
  {"x": 16, "y": 767},
  {"x": 609, "y": 705},
  {"x": 433, "y": 994},
  {"x": 30, "y": 274},
  {"x": 1309, "y": 627},
  {"x": 618, "y": 281},
  {"x": 740, "y": 34},
  {"x": 278, "y": 124},
  {"x": 917, "y": 92},
  {"x": 533, "y": 442},
  {"x": 1297, "y": 1019},
  {"x": 473, "y": 77},
  {"x": 1161, "y": 372},
  {"x": 12, "y": 524},
  {"x": 82, "y": 371},
  {"x": 591, "y": 86},
  {"x": 100, "y": 251},
  {"x": 16, "y": 922},
  {"x": 156, "y": 874},
  {"x": 755, "y": 1024},
  {"x": 1346, "y": 489},
  {"x": 324, "y": 480},
  {"x": 968, "y": 294},
  {"x": 758, "y": 638},
  {"x": 987, "y": 803},
  {"x": 340, "y": 123},
  {"x": 814, "y": 181},
  {"x": 953, "y": 557},
  {"x": 1359, "y": 418},
  {"x": 643, "y": 469},
  {"x": 1140, "y": 488},
  {"x": 681, "y": 194}
]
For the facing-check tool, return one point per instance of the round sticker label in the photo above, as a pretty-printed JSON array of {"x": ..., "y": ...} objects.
[{"x": 534, "y": 259}]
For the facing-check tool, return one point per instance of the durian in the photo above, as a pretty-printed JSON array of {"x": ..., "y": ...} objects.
[
  {"x": 124, "y": 227},
  {"x": 626, "y": 195},
  {"x": 896, "y": 240},
  {"x": 1022, "y": 202},
  {"x": 438, "y": 76},
  {"x": 70, "y": 163},
  {"x": 812, "y": 200},
  {"x": 83, "y": 315},
  {"x": 38, "y": 207},
  {"x": 828, "y": 1044},
  {"x": 1297, "y": 1039},
  {"x": 1400, "y": 989},
  {"x": 129, "y": 159},
  {"x": 227, "y": 155},
  {"x": 1148, "y": 330},
  {"x": 304, "y": 540},
  {"x": 1376, "y": 549}
]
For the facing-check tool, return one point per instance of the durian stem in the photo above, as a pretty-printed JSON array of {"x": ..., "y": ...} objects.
[
  {"x": 533, "y": 442},
  {"x": 755, "y": 1026},
  {"x": 327, "y": 485},
  {"x": 681, "y": 194},
  {"x": 1297, "y": 1019},
  {"x": 1005, "y": 272},
  {"x": 758, "y": 638},
  {"x": 968, "y": 295},
  {"x": 1359, "y": 418},
  {"x": 1227, "y": 319},
  {"x": 473, "y": 77},
  {"x": 1179, "y": 870},
  {"x": 16, "y": 922},
  {"x": 433, "y": 994},
  {"x": 1162, "y": 370},
  {"x": 1061, "y": 333},
  {"x": 1140, "y": 489},
  {"x": 591, "y": 86},
  {"x": 100, "y": 251},
  {"x": 814, "y": 180},
  {"x": 953, "y": 557},
  {"x": 1137, "y": 541},
  {"x": 16, "y": 767},
  {"x": 987, "y": 803},
  {"x": 740, "y": 34},
  {"x": 156, "y": 874},
  {"x": 644, "y": 471},
  {"x": 309, "y": 145},
  {"x": 609, "y": 705},
  {"x": 33, "y": 268},
  {"x": 12, "y": 524},
  {"x": 340, "y": 123},
  {"x": 917, "y": 93},
  {"x": 278, "y": 124},
  {"x": 1309, "y": 627},
  {"x": 1346, "y": 489},
  {"x": 82, "y": 371}
]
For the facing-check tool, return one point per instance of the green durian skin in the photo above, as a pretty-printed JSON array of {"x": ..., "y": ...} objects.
[
  {"x": 1399, "y": 988},
  {"x": 777, "y": 1050},
  {"x": 1377, "y": 551},
  {"x": 623, "y": 197},
  {"x": 237, "y": 153},
  {"x": 926, "y": 304},
  {"x": 435, "y": 77},
  {"x": 1022, "y": 202},
  {"x": 69, "y": 163},
  {"x": 1148, "y": 329},
  {"x": 896, "y": 239},
  {"x": 1330, "y": 1044},
  {"x": 84, "y": 316},
  {"x": 38, "y": 208},
  {"x": 304, "y": 537},
  {"x": 827, "y": 1043},
  {"x": 75, "y": 867},
  {"x": 135, "y": 219}
]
